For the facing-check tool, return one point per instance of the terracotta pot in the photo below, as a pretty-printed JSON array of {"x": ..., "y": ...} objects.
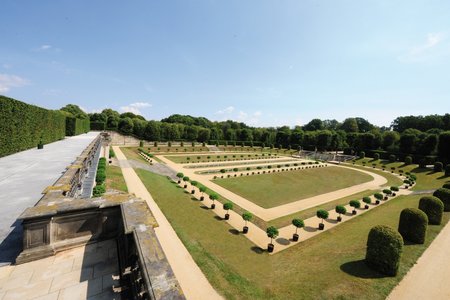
[
  {"x": 270, "y": 248},
  {"x": 295, "y": 237},
  {"x": 354, "y": 212},
  {"x": 213, "y": 206},
  {"x": 321, "y": 226},
  {"x": 339, "y": 219},
  {"x": 227, "y": 216},
  {"x": 245, "y": 229}
]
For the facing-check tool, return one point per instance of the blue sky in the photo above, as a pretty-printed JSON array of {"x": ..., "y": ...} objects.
[{"x": 267, "y": 63}]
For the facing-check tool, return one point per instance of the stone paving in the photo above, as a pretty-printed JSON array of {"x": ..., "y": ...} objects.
[
  {"x": 23, "y": 177},
  {"x": 80, "y": 273}
]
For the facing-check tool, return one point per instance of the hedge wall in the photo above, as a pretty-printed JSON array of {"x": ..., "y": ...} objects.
[
  {"x": 413, "y": 225},
  {"x": 22, "y": 126},
  {"x": 76, "y": 126},
  {"x": 96, "y": 125}
]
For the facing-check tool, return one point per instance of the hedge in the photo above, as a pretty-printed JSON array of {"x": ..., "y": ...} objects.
[
  {"x": 24, "y": 125},
  {"x": 413, "y": 225},
  {"x": 446, "y": 185},
  {"x": 444, "y": 195},
  {"x": 76, "y": 126},
  {"x": 96, "y": 125},
  {"x": 433, "y": 207},
  {"x": 384, "y": 249},
  {"x": 438, "y": 166}
]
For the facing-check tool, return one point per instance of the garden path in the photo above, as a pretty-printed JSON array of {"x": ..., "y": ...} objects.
[{"x": 192, "y": 281}]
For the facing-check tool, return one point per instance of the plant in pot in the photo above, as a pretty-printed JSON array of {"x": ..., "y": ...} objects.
[
  {"x": 322, "y": 214},
  {"x": 378, "y": 197},
  {"x": 227, "y": 206},
  {"x": 246, "y": 216},
  {"x": 367, "y": 201},
  {"x": 407, "y": 183},
  {"x": 272, "y": 232},
  {"x": 180, "y": 176},
  {"x": 387, "y": 193},
  {"x": 40, "y": 145},
  {"x": 213, "y": 197},
  {"x": 202, "y": 190},
  {"x": 193, "y": 183},
  {"x": 298, "y": 223},
  {"x": 355, "y": 204},
  {"x": 185, "y": 180},
  {"x": 340, "y": 210},
  {"x": 394, "y": 189}
]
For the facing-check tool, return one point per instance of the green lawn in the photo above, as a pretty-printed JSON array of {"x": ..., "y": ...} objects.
[
  {"x": 275, "y": 189},
  {"x": 114, "y": 179},
  {"x": 328, "y": 266}
]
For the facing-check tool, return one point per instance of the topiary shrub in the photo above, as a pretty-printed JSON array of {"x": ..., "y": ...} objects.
[
  {"x": 392, "y": 158},
  {"x": 446, "y": 185},
  {"x": 98, "y": 190},
  {"x": 376, "y": 156},
  {"x": 413, "y": 225},
  {"x": 384, "y": 249},
  {"x": 408, "y": 160},
  {"x": 438, "y": 166},
  {"x": 433, "y": 207},
  {"x": 362, "y": 154},
  {"x": 447, "y": 170},
  {"x": 444, "y": 195}
]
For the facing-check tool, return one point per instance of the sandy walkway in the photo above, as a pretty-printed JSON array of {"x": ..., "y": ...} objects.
[
  {"x": 429, "y": 278},
  {"x": 193, "y": 282}
]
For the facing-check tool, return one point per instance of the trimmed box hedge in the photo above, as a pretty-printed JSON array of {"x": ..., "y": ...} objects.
[
  {"x": 384, "y": 249},
  {"x": 444, "y": 195},
  {"x": 413, "y": 225},
  {"x": 76, "y": 126},
  {"x": 24, "y": 125},
  {"x": 433, "y": 207}
]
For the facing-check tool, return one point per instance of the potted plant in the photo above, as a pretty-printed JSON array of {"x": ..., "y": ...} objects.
[
  {"x": 186, "y": 180},
  {"x": 341, "y": 210},
  {"x": 355, "y": 204},
  {"x": 180, "y": 176},
  {"x": 386, "y": 193},
  {"x": 367, "y": 201},
  {"x": 322, "y": 214},
  {"x": 193, "y": 183},
  {"x": 298, "y": 223},
  {"x": 394, "y": 189},
  {"x": 202, "y": 190},
  {"x": 40, "y": 145},
  {"x": 272, "y": 232},
  {"x": 213, "y": 198},
  {"x": 227, "y": 206},
  {"x": 378, "y": 197},
  {"x": 406, "y": 182},
  {"x": 247, "y": 216}
]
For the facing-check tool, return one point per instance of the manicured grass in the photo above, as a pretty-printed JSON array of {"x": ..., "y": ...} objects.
[
  {"x": 270, "y": 190},
  {"x": 132, "y": 153},
  {"x": 391, "y": 179},
  {"x": 426, "y": 178},
  {"x": 114, "y": 179},
  {"x": 328, "y": 266},
  {"x": 311, "y": 212},
  {"x": 175, "y": 149},
  {"x": 210, "y": 157}
]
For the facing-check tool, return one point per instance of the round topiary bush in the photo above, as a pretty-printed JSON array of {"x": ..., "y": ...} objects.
[
  {"x": 362, "y": 154},
  {"x": 408, "y": 160},
  {"x": 413, "y": 225},
  {"x": 384, "y": 249},
  {"x": 433, "y": 208},
  {"x": 376, "y": 156},
  {"x": 444, "y": 195},
  {"x": 438, "y": 166},
  {"x": 392, "y": 158}
]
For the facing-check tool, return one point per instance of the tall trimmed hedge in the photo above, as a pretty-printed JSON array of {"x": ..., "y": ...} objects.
[
  {"x": 23, "y": 125},
  {"x": 413, "y": 225},
  {"x": 97, "y": 125},
  {"x": 384, "y": 249},
  {"x": 76, "y": 126},
  {"x": 444, "y": 195},
  {"x": 433, "y": 207}
]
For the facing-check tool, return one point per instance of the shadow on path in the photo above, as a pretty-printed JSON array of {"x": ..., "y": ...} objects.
[
  {"x": 11, "y": 246},
  {"x": 310, "y": 229},
  {"x": 282, "y": 241}
]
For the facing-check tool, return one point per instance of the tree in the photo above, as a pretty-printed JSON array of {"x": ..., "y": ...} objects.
[
  {"x": 355, "y": 204},
  {"x": 341, "y": 210},
  {"x": 126, "y": 126},
  {"x": 180, "y": 176},
  {"x": 272, "y": 232},
  {"x": 75, "y": 110},
  {"x": 213, "y": 197},
  {"x": 444, "y": 146},
  {"x": 378, "y": 196},
  {"x": 246, "y": 216},
  {"x": 322, "y": 214},
  {"x": 186, "y": 180},
  {"x": 202, "y": 190},
  {"x": 350, "y": 125},
  {"x": 368, "y": 201},
  {"x": 193, "y": 183},
  {"x": 152, "y": 131},
  {"x": 313, "y": 125},
  {"x": 298, "y": 223},
  {"x": 227, "y": 206}
]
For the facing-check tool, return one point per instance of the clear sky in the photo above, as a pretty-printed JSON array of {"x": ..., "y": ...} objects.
[{"x": 267, "y": 63}]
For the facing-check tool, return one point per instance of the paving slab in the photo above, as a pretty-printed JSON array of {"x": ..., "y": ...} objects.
[{"x": 23, "y": 177}]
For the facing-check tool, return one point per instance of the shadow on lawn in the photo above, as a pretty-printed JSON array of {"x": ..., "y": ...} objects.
[
  {"x": 234, "y": 231},
  {"x": 358, "y": 268},
  {"x": 257, "y": 250}
]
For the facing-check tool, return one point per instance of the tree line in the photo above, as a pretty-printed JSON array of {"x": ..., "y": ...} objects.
[{"x": 419, "y": 136}]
